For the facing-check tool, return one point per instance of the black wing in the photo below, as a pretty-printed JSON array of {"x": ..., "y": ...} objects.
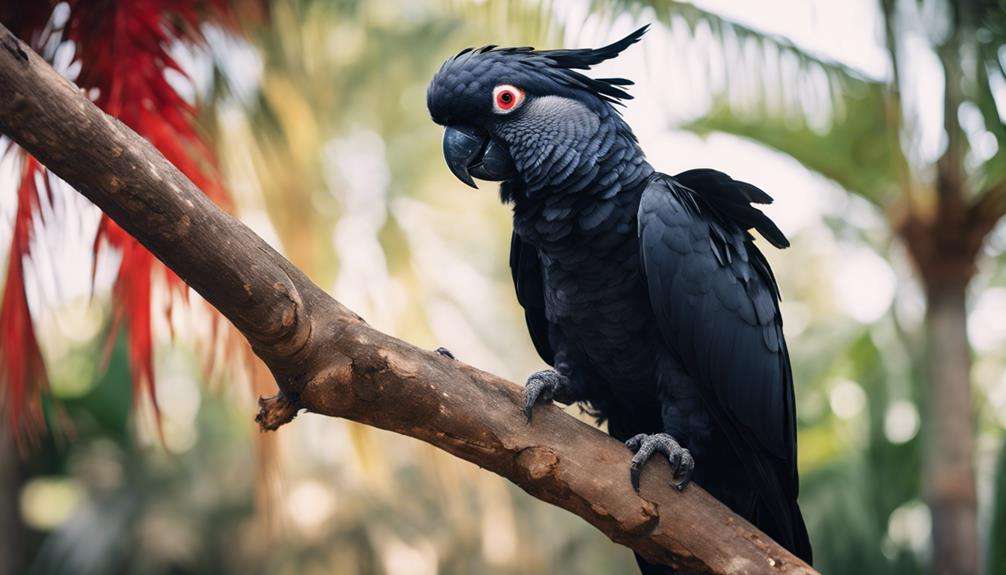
[
  {"x": 525, "y": 266},
  {"x": 717, "y": 304}
]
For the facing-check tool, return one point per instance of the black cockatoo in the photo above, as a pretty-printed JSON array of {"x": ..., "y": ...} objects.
[{"x": 645, "y": 292}]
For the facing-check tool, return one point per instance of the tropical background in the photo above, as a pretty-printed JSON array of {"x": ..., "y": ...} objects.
[{"x": 128, "y": 445}]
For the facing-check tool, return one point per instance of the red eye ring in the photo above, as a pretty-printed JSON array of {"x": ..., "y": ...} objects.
[{"x": 507, "y": 98}]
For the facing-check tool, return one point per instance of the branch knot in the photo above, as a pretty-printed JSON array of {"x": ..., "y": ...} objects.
[{"x": 275, "y": 411}]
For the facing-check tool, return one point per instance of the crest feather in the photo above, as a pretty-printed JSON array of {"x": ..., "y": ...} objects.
[
  {"x": 584, "y": 58},
  {"x": 567, "y": 61},
  {"x": 562, "y": 65}
]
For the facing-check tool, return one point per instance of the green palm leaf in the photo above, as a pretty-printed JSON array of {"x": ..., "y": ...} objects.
[
  {"x": 857, "y": 146},
  {"x": 857, "y": 150}
]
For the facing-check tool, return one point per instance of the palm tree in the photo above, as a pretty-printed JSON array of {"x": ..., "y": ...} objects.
[{"x": 941, "y": 212}]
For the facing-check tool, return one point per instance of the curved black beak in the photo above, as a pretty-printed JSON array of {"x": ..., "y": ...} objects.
[
  {"x": 468, "y": 154},
  {"x": 461, "y": 150}
]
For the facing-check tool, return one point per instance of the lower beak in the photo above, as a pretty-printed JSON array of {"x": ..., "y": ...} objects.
[{"x": 462, "y": 150}]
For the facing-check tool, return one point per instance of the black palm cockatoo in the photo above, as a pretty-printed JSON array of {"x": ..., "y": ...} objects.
[{"x": 645, "y": 292}]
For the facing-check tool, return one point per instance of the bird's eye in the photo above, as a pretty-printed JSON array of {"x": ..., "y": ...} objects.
[{"x": 507, "y": 98}]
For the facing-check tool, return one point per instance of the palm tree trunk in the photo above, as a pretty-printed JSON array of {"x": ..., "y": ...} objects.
[{"x": 949, "y": 472}]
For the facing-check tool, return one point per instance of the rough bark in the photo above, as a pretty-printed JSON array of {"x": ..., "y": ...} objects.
[{"x": 327, "y": 360}]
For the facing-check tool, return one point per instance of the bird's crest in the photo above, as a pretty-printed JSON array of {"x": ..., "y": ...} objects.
[{"x": 563, "y": 64}]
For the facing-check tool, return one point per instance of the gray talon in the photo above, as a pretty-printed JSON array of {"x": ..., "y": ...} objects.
[
  {"x": 543, "y": 386},
  {"x": 643, "y": 445},
  {"x": 445, "y": 352}
]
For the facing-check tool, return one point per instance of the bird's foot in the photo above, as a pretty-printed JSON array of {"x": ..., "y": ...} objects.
[
  {"x": 445, "y": 352},
  {"x": 643, "y": 445},
  {"x": 544, "y": 386}
]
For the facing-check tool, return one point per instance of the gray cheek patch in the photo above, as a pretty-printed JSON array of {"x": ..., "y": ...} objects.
[
  {"x": 550, "y": 138},
  {"x": 556, "y": 120}
]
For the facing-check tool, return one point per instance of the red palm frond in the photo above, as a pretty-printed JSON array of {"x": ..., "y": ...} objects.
[
  {"x": 22, "y": 371},
  {"x": 123, "y": 47}
]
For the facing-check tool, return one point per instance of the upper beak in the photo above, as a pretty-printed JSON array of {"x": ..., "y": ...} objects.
[{"x": 461, "y": 151}]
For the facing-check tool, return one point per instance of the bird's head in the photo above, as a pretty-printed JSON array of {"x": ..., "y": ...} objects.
[{"x": 503, "y": 108}]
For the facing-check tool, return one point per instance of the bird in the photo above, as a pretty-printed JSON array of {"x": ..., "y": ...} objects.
[{"x": 645, "y": 293}]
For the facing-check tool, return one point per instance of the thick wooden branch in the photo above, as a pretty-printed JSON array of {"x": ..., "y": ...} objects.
[{"x": 329, "y": 361}]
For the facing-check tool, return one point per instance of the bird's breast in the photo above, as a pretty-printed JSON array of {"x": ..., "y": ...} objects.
[{"x": 603, "y": 311}]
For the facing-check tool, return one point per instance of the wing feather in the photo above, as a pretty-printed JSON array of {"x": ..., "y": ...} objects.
[
  {"x": 525, "y": 267},
  {"x": 717, "y": 305}
]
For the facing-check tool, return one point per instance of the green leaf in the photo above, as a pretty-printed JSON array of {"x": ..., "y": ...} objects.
[
  {"x": 857, "y": 146},
  {"x": 858, "y": 150},
  {"x": 988, "y": 66},
  {"x": 996, "y": 560}
]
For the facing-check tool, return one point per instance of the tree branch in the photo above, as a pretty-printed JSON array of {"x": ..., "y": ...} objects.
[{"x": 329, "y": 361}]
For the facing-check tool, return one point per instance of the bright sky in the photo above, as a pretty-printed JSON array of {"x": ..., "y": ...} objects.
[{"x": 846, "y": 31}]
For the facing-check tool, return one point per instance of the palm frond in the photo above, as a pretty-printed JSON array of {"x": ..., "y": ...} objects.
[
  {"x": 735, "y": 36},
  {"x": 22, "y": 370},
  {"x": 990, "y": 70},
  {"x": 829, "y": 116},
  {"x": 855, "y": 148},
  {"x": 124, "y": 53},
  {"x": 996, "y": 557}
]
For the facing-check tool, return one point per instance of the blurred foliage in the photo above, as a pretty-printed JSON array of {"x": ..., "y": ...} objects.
[
  {"x": 855, "y": 151},
  {"x": 849, "y": 502},
  {"x": 867, "y": 116},
  {"x": 324, "y": 137},
  {"x": 140, "y": 509},
  {"x": 996, "y": 564}
]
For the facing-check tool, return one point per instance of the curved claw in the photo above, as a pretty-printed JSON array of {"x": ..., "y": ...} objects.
[
  {"x": 681, "y": 460},
  {"x": 541, "y": 386},
  {"x": 683, "y": 469}
]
